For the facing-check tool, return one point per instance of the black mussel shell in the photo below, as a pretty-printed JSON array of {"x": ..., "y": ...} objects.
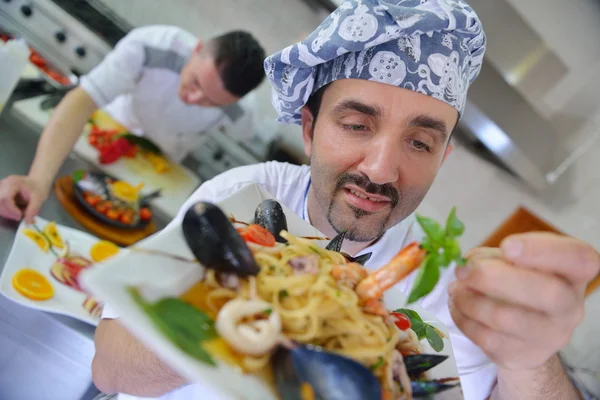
[
  {"x": 418, "y": 363},
  {"x": 331, "y": 376},
  {"x": 269, "y": 214},
  {"x": 362, "y": 259},
  {"x": 214, "y": 241},
  {"x": 424, "y": 389},
  {"x": 336, "y": 242}
]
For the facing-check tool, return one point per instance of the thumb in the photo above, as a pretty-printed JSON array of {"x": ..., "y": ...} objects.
[{"x": 34, "y": 203}]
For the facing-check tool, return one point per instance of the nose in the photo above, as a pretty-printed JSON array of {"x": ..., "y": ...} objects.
[{"x": 381, "y": 160}]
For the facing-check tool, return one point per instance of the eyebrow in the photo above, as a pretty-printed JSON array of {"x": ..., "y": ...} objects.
[
  {"x": 355, "y": 105},
  {"x": 426, "y": 122}
]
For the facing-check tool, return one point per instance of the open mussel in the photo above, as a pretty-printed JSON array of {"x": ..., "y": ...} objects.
[
  {"x": 214, "y": 241},
  {"x": 362, "y": 259},
  {"x": 419, "y": 363},
  {"x": 269, "y": 214},
  {"x": 426, "y": 389},
  {"x": 327, "y": 375}
]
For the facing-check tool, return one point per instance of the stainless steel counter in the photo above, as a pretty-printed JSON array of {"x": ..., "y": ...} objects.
[{"x": 50, "y": 350}]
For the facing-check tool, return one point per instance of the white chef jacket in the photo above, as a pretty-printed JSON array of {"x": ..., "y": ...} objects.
[
  {"x": 290, "y": 184},
  {"x": 137, "y": 84}
]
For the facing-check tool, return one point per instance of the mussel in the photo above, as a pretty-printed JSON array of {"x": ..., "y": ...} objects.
[
  {"x": 418, "y": 363},
  {"x": 214, "y": 241},
  {"x": 362, "y": 259},
  {"x": 336, "y": 243},
  {"x": 269, "y": 214},
  {"x": 329, "y": 376},
  {"x": 425, "y": 389}
]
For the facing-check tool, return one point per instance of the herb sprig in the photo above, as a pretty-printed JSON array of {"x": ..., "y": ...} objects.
[
  {"x": 423, "y": 329},
  {"x": 442, "y": 247}
]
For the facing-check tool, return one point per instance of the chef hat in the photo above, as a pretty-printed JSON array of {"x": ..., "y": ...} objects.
[{"x": 434, "y": 47}]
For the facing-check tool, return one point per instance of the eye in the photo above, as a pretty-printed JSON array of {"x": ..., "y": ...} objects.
[
  {"x": 355, "y": 127},
  {"x": 420, "y": 146}
]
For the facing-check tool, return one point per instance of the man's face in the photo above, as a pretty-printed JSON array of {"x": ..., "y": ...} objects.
[
  {"x": 200, "y": 82},
  {"x": 375, "y": 152}
]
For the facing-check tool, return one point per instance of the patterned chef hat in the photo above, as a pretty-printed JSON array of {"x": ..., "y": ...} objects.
[{"x": 434, "y": 47}]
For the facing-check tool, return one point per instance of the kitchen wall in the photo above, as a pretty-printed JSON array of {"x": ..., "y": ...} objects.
[{"x": 483, "y": 194}]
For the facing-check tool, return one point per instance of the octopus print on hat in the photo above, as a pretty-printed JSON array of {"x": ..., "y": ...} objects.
[{"x": 434, "y": 47}]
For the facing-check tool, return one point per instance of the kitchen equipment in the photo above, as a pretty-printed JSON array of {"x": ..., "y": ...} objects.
[
  {"x": 14, "y": 56},
  {"x": 73, "y": 36},
  {"x": 63, "y": 189}
]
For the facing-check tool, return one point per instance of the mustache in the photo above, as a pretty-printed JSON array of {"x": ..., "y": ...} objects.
[{"x": 365, "y": 184}]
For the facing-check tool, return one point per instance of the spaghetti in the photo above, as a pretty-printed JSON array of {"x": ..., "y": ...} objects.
[{"x": 298, "y": 291}]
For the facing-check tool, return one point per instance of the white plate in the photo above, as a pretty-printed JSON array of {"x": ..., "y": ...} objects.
[
  {"x": 26, "y": 254},
  {"x": 158, "y": 279}
]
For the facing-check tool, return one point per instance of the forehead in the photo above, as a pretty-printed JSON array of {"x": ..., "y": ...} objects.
[{"x": 393, "y": 102}]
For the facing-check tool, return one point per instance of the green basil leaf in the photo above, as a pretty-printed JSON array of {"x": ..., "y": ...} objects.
[
  {"x": 182, "y": 338},
  {"x": 451, "y": 251},
  {"x": 185, "y": 318},
  {"x": 427, "y": 277},
  {"x": 78, "y": 175},
  {"x": 142, "y": 142},
  {"x": 434, "y": 339},
  {"x": 283, "y": 294},
  {"x": 428, "y": 245},
  {"x": 454, "y": 227},
  {"x": 416, "y": 323},
  {"x": 432, "y": 229}
]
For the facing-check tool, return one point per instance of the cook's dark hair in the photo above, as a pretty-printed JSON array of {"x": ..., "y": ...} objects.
[
  {"x": 314, "y": 105},
  {"x": 239, "y": 58}
]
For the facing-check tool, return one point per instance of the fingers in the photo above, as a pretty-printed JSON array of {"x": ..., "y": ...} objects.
[
  {"x": 524, "y": 287},
  {"x": 484, "y": 252},
  {"x": 487, "y": 339},
  {"x": 551, "y": 253},
  {"x": 499, "y": 316},
  {"x": 33, "y": 207},
  {"x": 9, "y": 188}
]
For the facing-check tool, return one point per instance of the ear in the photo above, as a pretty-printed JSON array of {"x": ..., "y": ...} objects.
[
  {"x": 307, "y": 130},
  {"x": 199, "y": 46}
]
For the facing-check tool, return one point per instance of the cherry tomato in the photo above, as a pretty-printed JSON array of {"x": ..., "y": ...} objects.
[
  {"x": 145, "y": 214},
  {"x": 127, "y": 217},
  {"x": 259, "y": 235},
  {"x": 401, "y": 321},
  {"x": 112, "y": 214},
  {"x": 91, "y": 199}
]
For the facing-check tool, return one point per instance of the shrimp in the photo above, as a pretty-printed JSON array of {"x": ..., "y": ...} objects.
[
  {"x": 375, "y": 306},
  {"x": 349, "y": 274},
  {"x": 405, "y": 262}
]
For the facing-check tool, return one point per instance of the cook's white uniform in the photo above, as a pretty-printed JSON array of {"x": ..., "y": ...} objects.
[
  {"x": 289, "y": 184},
  {"x": 137, "y": 84}
]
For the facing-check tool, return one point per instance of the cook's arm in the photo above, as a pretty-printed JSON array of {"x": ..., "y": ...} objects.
[
  {"x": 123, "y": 365},
  {"x": 115, "y": 75},
  {"x": 548, "y": 382},
  {"x": 60, "y": 135}
]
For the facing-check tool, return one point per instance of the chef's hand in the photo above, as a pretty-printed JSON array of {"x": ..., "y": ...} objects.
[
  {"x": 21, "y": 192},
  {"x": 521, "y": 303}
]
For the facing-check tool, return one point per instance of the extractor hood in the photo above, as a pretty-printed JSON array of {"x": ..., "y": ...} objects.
[{"x": 529, "y": 112}]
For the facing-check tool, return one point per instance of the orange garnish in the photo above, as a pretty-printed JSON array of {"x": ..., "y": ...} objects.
[
  {"x": 103, "y": 250},
  {"x": 33, "y": 285}
]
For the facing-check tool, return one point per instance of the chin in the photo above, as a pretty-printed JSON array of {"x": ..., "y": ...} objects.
[{"x": 365, "y": 228}]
